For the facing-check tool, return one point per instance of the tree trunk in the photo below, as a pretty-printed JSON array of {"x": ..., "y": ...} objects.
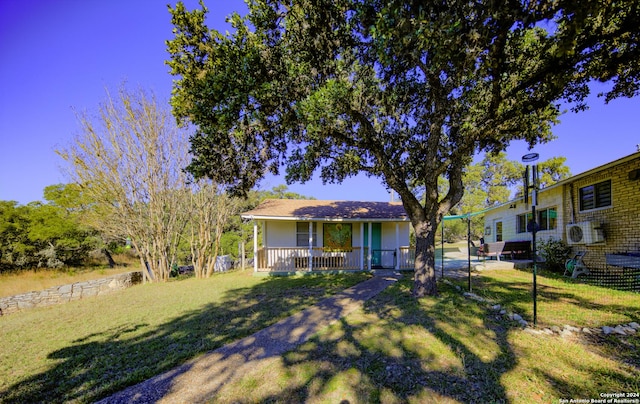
[
  {"x": 107, "y": 254},
  {"x": 424, "y": 283}
]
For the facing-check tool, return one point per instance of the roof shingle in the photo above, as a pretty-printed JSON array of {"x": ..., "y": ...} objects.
[{"x": 316, "y": 209}]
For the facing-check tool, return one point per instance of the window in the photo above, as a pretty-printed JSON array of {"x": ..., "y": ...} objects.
[
  {"x": 522, "y": 222},
  {"x": 596, "y": 196},
  {"x": 302, "y": 234},
  {"x": 547, "y": 220}
]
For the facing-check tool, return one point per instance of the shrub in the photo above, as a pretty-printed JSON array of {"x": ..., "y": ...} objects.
[{"x": 555, "y": 253}]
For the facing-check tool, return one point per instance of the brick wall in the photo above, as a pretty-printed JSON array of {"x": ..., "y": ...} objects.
[{"x": 620, "y": 221}]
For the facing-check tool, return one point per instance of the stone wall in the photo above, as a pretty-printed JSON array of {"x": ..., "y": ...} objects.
[{"x": 67, "y": 293}]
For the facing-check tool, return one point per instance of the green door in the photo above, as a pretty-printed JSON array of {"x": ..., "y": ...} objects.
[{"x": 376, "y": 242}]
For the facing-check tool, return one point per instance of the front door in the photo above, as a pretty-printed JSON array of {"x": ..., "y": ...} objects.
[{"x": 376, "y": 243}]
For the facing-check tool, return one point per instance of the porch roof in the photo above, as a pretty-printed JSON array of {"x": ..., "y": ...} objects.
[{"x": 305, "y": 209}]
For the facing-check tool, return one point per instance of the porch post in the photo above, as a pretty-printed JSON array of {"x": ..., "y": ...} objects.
[
  {"x": 397, "y": 263},
  {"x": 255, "y": 246},
  {"x": 310, "y": 246},
  {"x": 362, "y": 246},
  {"x": 369, "y": 252}
]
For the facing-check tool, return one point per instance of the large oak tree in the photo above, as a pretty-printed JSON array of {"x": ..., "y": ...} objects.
[{"x": 407, "y": 91}]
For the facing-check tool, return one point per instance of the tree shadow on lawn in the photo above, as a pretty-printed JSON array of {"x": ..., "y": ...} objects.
[
  {"x": 448, "y": 350},
  {"x": 398, "y": 350},
  {"x": 102, "y": 363}
]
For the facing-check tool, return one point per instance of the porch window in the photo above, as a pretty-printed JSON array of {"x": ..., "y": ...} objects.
[
  {"x": 302, "y": 234},
  {"x": 595, "y": 196}
]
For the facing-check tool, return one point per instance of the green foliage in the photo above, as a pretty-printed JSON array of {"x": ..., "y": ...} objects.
[
  {"x": 552, "y": 171},
  {"x": 15, "y": 246},
  {"x": 404, "y": 91},
  {"x": 281, "y": 192},
  {"x": 229, "y": 244},
  {"x": 555, "y": 253},
  {"x": 48, "y": 235}
]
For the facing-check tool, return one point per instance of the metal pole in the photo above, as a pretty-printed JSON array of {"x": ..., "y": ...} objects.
[
  {"x": 469, "y": 248},
  {"x": 534, "y": 229},
  {"x": 535, "y": 286},
  {"x": 529, "y": 158},
  {"x": 442, "y": 252}
]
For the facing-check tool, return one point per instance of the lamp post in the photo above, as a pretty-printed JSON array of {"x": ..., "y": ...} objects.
[{"x": 532, "y": 225}]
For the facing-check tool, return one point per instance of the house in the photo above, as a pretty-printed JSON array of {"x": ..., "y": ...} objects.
[
  {"x": 597, "y": 211},
  {"x": 314, "y": 235}
]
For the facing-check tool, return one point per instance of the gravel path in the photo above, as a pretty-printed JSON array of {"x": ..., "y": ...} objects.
[{"x": 200, "y": 379}]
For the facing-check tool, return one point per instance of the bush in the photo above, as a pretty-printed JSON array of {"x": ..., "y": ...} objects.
[{"x": 555, "y": 253}]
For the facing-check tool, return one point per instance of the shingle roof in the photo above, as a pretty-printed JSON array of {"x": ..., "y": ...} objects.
[{"x": 315, "y": 209}]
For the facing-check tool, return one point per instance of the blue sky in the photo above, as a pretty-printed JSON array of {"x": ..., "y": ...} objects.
[{"x": 57, "y": 56}]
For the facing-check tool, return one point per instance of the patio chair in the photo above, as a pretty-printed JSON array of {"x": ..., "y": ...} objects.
[{"x": 575, "y": 266}]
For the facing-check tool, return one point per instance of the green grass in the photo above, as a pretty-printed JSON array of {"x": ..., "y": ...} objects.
[
  {"x": 85, "y": 350},
  {"x": 395, "y": 350},
  {"x": 442, "y": 349},
  {"x": 560, "y": 300}
]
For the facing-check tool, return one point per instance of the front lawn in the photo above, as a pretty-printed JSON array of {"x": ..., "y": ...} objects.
[
  {"x": 561, "y": 300},
  {"x": 446, "y": 349},
  {"x": 396, "y": 349},
  {"x": 84, "y": 350}
]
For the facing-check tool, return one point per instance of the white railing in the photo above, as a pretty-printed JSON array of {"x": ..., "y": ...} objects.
[
  {"x": 292, "y": 259},
  {"x": 407, "y": 258},
  {"x": 297, "y": 259}
]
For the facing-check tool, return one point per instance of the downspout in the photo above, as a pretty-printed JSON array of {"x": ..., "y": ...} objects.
[{"x": 572, "y": 201}]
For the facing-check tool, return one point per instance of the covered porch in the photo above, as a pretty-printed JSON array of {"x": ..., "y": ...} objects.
[{"x": 303, "y": 236}]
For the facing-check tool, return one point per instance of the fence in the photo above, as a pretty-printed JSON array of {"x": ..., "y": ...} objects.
[{"x": 603, "y": 294}]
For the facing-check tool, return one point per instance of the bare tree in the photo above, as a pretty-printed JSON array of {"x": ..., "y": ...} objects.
[
  {"x": 130, "y": 161},
  {"x": 211, "y": 211}
]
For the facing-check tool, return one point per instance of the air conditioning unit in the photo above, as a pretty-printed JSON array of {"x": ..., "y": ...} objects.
[{"x": 584, "y": 233}]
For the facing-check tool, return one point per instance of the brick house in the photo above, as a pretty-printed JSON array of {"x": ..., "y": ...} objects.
[{"x": 597, "y": 211}]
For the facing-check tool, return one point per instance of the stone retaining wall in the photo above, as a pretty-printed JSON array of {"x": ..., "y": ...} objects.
[{"x": 67, "y": 293}]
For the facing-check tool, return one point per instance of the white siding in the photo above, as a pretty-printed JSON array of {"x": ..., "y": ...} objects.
[
  {"x": 508, "y": 215},
  {"x": 283, "y": 234},
  {"x": 389, "y": 235}
]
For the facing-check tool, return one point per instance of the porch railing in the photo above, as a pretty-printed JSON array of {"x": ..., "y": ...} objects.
[
  {"x": 297, "y": 259},
  {"x": 407, "y": 257},
  {"x": 291, "y": 259}
]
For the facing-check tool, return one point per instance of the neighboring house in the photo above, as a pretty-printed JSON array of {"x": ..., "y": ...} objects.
[
  {"x": 336, "y": 235},
  {"x": 597, "y": 211}
]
